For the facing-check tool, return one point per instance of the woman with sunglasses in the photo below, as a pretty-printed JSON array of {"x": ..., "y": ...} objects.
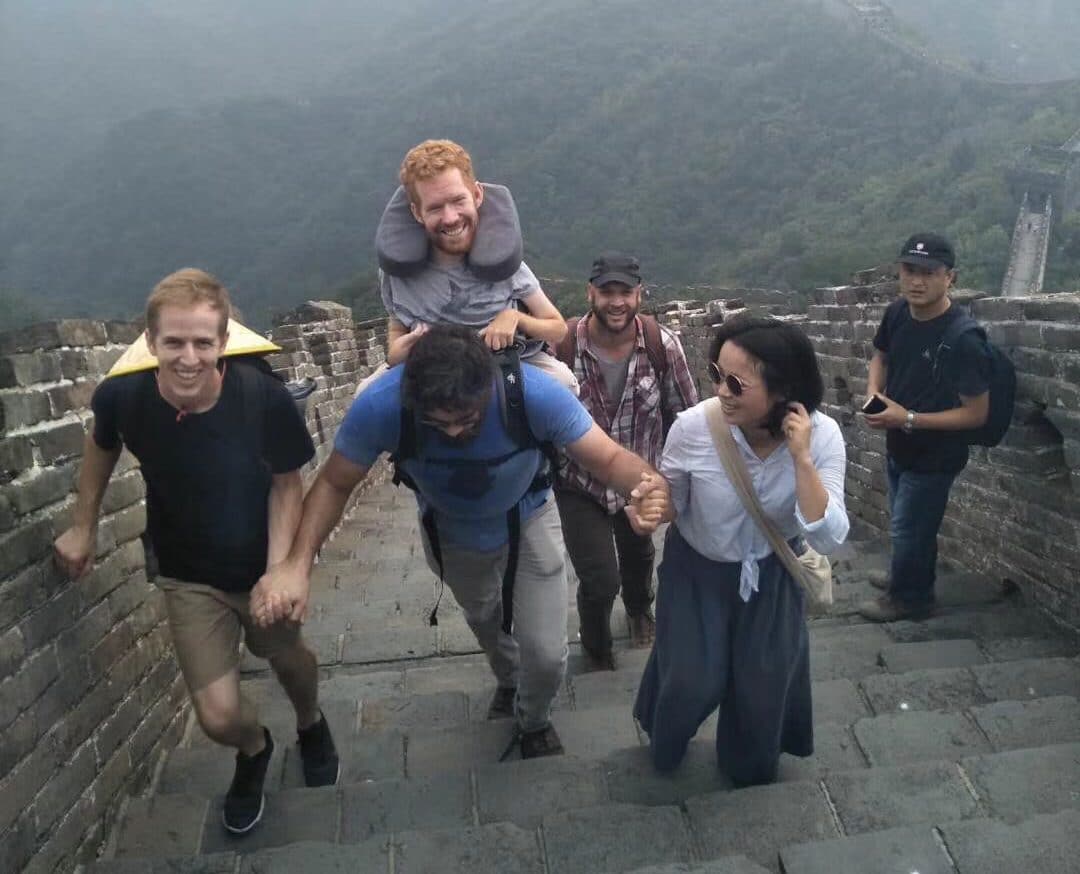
[{"x": 730, "y": 620}]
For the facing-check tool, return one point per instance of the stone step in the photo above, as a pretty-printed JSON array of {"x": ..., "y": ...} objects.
[
  {"x": 728, "y": 865},
  {"x": 1040, "y": 843},
  {"x": 570, "y": 798},
  {"x": 903, "y": 737}
]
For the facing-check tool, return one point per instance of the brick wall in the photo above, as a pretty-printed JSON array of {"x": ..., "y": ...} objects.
[
  {"x": 1015, "y": 511},
  {"x": 90, "y": 695}
]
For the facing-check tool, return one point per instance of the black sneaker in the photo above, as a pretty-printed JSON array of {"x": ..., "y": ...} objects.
[
  {"x": 543, "y": 742},
  {"x": 318, "y": 755},
  {"x": 502, "y": 702},
  {"x": 244, "y": 802}
]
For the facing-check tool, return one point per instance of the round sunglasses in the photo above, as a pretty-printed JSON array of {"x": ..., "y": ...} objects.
[{"x": 734, "y": 385}]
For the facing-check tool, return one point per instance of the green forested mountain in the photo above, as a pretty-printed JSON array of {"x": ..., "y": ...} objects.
[{"x": 762, "y": 142}]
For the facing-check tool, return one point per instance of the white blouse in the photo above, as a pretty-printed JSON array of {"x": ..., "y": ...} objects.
[{"x": 710, "y": 515}]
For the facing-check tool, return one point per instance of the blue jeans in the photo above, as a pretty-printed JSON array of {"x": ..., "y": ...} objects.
[{"x": 917, "y": 504}]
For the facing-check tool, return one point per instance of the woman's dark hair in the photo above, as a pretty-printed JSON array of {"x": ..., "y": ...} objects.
[
  {"x": 449, "y": 368},
  {"x": 788, "y": 363}
]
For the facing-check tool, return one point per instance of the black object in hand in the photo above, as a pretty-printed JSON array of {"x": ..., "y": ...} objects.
[{"x": 874, "y": 405}]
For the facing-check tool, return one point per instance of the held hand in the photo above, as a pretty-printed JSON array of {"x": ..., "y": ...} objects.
[
  {"x": 648, "y": 503},
  {"x": 500, "y": 333},
  {"x": 797, "y": 426},
  {"x": 893, "y": 416},
  {"x": 281, "y": 593},
  {"x": 74, "y": 550}
]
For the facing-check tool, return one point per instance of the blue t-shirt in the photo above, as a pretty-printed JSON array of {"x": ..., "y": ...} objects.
[{"x": 470, "y": 496}]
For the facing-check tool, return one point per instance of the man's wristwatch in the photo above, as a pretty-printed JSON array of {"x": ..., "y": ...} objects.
[{"x": 909, "y": 422}]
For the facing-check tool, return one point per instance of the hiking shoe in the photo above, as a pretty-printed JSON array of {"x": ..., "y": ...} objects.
[
  {"x": 543, "y": 742},
  {"x": 317, "y": 754},
  {"x": 885, "y": 608},
  {"x": 502, "y": 702},
  {"x": 642, "y": 629},
  {"x": 244, "y": 802}
]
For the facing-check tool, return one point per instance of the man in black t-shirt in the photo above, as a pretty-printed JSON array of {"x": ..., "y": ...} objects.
[
  {"x": 220, "y": 445},
  {"x": 931, "y": 394}
]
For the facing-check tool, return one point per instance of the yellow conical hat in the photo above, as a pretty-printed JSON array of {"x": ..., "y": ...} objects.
[{"x": 242, "y": 341}]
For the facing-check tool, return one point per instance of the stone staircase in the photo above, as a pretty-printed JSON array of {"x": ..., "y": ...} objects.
[{"x": 951, "y": 745}]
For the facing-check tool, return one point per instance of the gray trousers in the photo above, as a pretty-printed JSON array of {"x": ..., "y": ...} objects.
[{"x": 533, "y": 656}]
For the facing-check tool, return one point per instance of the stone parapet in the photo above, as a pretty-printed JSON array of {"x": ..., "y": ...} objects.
[{"x": 90, "y": 693}]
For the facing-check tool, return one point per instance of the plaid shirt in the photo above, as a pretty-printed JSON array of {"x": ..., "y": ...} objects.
[{"x": 636, "y": 422}]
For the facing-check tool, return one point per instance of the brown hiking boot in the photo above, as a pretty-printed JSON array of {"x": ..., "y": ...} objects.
[
  {"x": 642, "y": 629},
  {"x": 885, "y": 608}
]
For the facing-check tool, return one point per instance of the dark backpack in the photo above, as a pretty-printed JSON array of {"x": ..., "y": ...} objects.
[
  {"x": 1002, "y": 381},
  {"x": 512, "y": 409},
  {"x": 566, "y": 352}
]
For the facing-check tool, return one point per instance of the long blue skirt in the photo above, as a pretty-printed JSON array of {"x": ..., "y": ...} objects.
[{"x": 713, "y": 650}]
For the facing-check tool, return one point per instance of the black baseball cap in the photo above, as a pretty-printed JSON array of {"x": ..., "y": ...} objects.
[
  {"x": 615, "y": 267},
  {"x": 928, "y": 250}
]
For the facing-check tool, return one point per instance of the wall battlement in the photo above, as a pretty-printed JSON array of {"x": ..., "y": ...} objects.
[
  {"x": 1015, "y": 511},
  {"x": 90, "y": 694}
]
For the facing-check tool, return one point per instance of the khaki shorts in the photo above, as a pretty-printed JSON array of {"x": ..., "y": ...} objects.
[{"x": 206, "y": 626}]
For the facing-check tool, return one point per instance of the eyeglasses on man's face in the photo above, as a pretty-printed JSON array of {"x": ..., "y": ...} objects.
[{"x": 734, "y": 385}]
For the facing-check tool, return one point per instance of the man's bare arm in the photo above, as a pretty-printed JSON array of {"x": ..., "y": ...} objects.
[
  {"x": 282, "y": 592},
  {"x": 74, "y": 549},
  {"x": 285, "y": 505},
  {"x": 879, "y": 370}
]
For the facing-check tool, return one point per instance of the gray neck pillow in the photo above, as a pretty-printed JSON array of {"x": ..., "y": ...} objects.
[{"x": 402, "y": 244}]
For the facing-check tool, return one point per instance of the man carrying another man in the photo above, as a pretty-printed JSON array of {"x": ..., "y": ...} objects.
[
  {"x": 445, "y": 198},
  {"x": 471, "y": 474}
]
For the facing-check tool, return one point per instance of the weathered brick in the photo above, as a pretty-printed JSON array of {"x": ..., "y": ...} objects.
[
  {"x": 23, "y": 546},
  {"x": 112, "y": 571},
  {"x": 24, "y": 779},
  {"x": 17, "y": 844},
  {"x": 25, "y": 370},
  {"x": 77, "y": 363},
  {"x": 19, "y": 739},
  {"x": 130, "y": 523},
  {"x": 57, "y": 853},
  {"x": 21, "y": 407},
  {"x": 1065, "y": 338},
  {"x": 16, "y": 456},
  {"x": 60, "y": 612},
  {"x": 60, "y": 792},
  {"x": 45, "y": 486},
  {"x": 58, "y": 441},
  {"x": 123, "y": 491},
  {"x": 70, "y": 396},
  {"x": 123, "y": 332},
  {"x": 128, "y": 596}
]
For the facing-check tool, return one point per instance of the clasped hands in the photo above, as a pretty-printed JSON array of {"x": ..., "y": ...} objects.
[
  {"x": 280, "y": 594},
  {"x": 649, "y": 502}
]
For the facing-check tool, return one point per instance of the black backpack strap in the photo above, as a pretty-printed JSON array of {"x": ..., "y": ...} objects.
[
  {"x": 252, "y": 396},
  {"x": 654, "y": 346},
  {"x": 956, "y": 329},
  {"x": 513, "y": 526}
]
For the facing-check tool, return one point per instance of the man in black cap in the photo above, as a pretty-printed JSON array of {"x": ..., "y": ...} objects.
[
  {"x": 925, "y": 401},
  {"x": 634, "y": 380}
]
